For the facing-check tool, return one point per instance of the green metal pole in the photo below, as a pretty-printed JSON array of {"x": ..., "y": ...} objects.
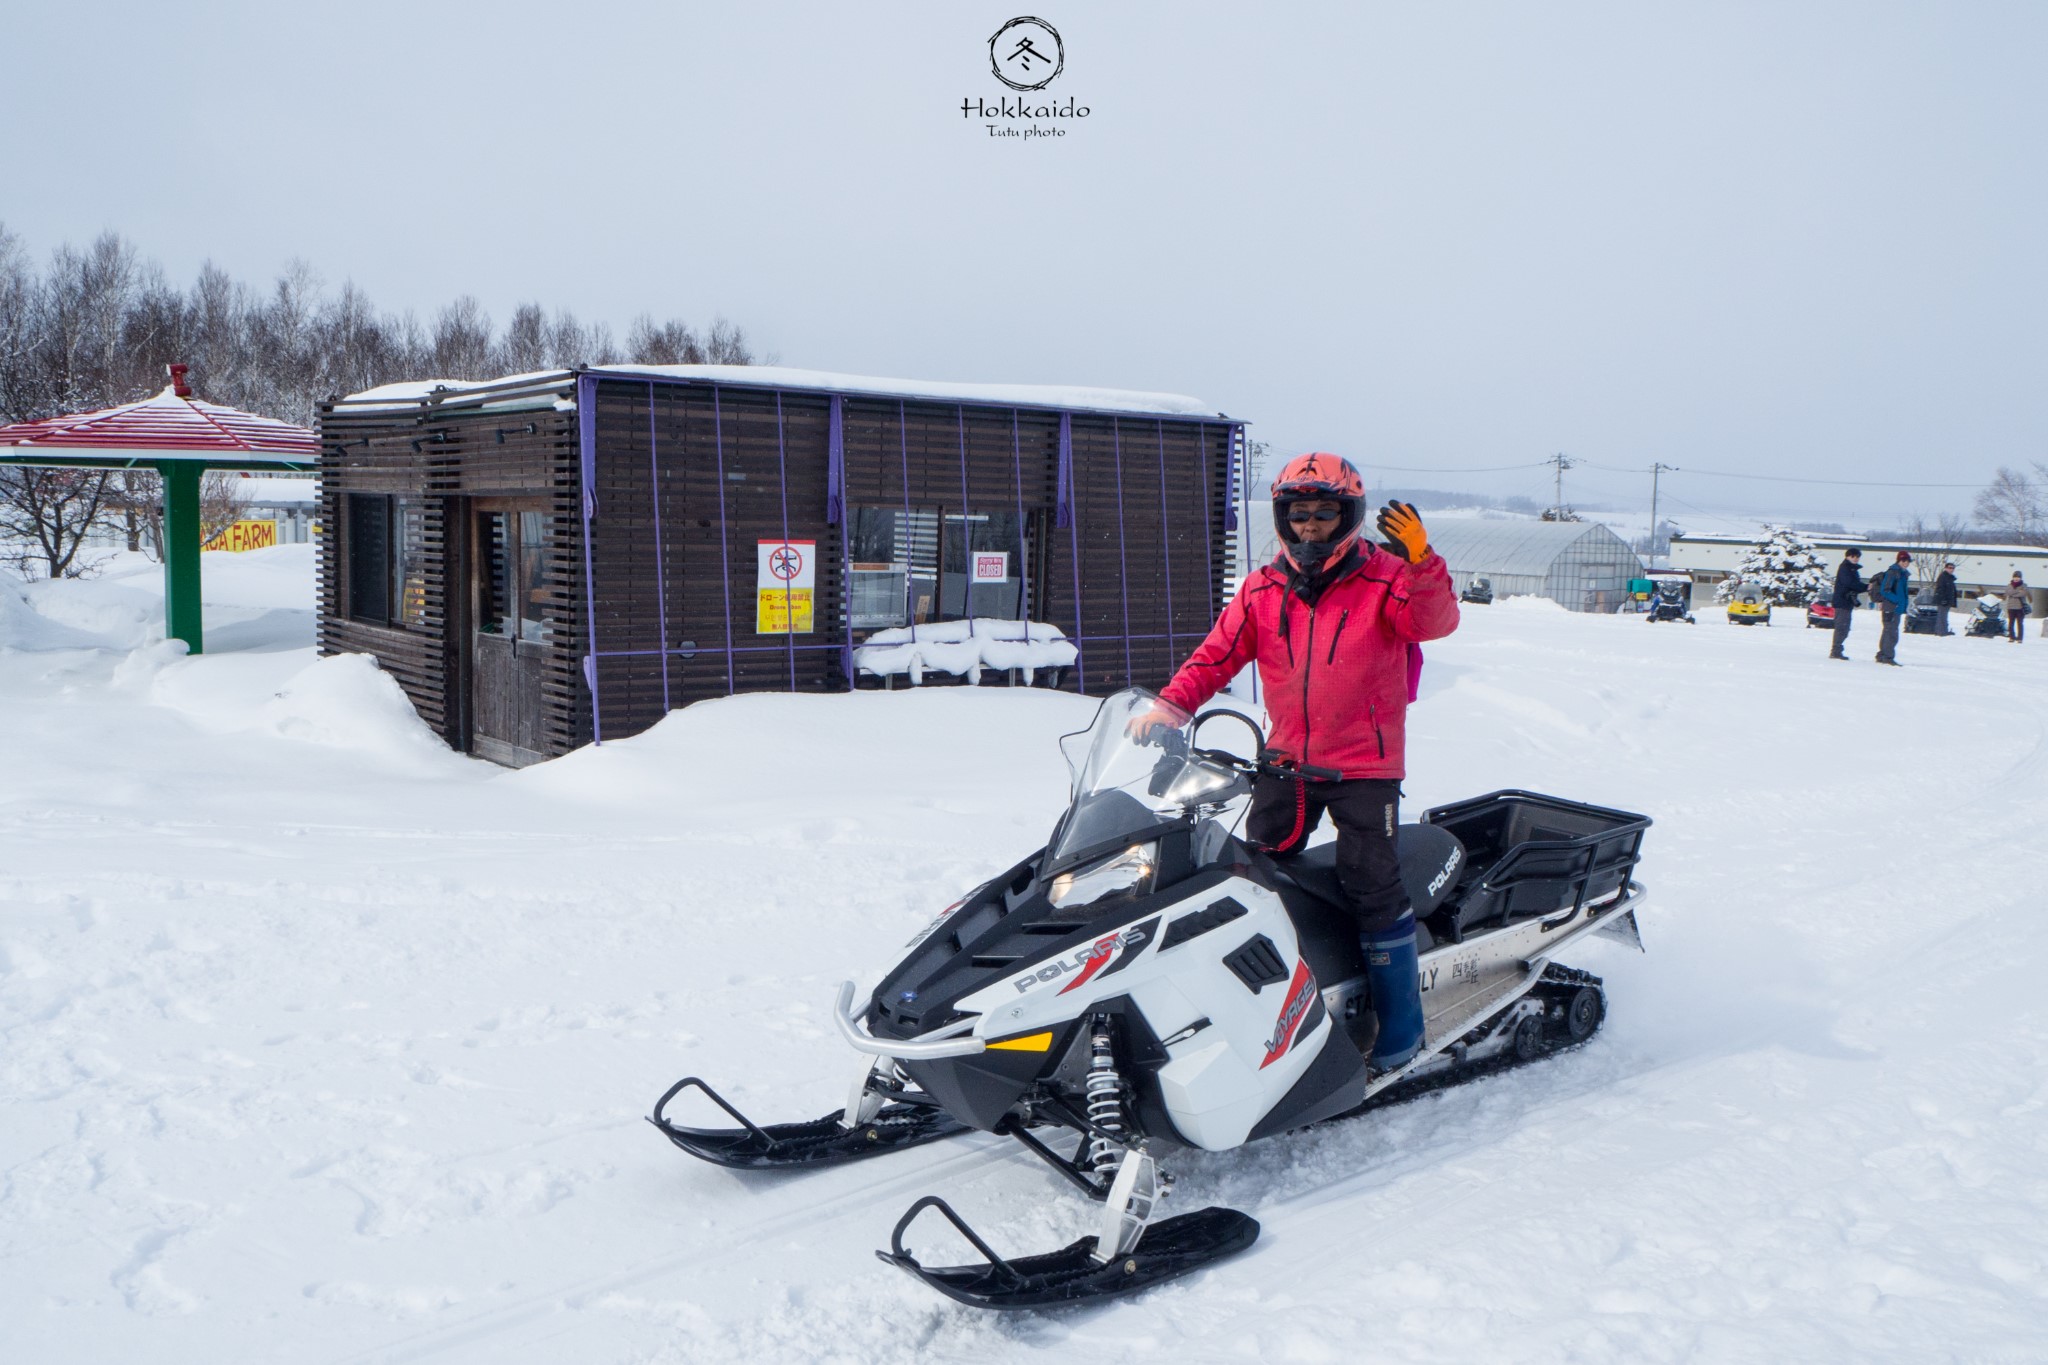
[{"x": 181, "y": 550}]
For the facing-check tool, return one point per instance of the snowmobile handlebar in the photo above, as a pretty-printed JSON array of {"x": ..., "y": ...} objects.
[{"x": 863, "y": 1041}]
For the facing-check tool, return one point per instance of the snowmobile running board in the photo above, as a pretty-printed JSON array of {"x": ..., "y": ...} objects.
[
  {"x": 1170, "y": 1248},
  {"x": 824, "y": 1141}
]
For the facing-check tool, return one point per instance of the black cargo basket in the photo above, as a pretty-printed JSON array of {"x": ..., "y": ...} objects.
[{"x": 1527, "y": 854}]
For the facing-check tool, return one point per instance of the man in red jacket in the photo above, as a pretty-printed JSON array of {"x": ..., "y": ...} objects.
[{"x": 1330, "y": 623}]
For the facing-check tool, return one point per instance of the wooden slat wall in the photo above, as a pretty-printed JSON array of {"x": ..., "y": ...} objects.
[
  {"x": 720, "y": 472},
  {"x": 460, "y": 454},
  {"x": 1129, "y": 532},
  {"x": 375, "y": 458},
  {"x": 687, "y": 481}
]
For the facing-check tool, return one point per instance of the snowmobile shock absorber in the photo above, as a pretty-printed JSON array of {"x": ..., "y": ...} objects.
[{"x": 1105, "y": 1100}]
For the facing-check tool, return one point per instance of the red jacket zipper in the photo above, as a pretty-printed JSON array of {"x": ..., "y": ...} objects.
[{"x": 1307, "y": 671}]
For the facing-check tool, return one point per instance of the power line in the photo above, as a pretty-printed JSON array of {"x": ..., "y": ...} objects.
[
  {"x": 1780, "y": 478},
  {"x": 1485, "y": 469}
]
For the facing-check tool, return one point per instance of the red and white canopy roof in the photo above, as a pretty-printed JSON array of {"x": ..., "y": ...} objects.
[{"x": 166, "y": 427}]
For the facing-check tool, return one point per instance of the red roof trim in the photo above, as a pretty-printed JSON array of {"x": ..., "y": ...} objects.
[{"x": 166, "y": 423}]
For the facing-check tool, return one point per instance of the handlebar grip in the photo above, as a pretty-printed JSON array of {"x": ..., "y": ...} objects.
[{"x": 1271, "y": 762}]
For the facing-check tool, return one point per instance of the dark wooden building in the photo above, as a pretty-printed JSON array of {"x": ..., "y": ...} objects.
[{"x": 559, "y": 558}]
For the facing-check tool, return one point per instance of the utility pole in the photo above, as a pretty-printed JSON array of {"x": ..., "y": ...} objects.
[
  {"x": 1656, "y": 469},
  {"x": 1563, "y": 462}
]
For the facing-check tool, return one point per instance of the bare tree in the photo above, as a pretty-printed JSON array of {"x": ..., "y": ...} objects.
[
  {"x": 462, "y": 341},
  {"x": 135, "y": 503},
  {"x": 525, "y": 347},
  {"x": 671, "y": 343},
  {"x": 95, "y": 327},
  {"x": 1934, "y": 542},
  {"x": 45, "y": 515},
  {"x": 2016, "y": 505},
  {"x": 17, "y": 333},
  {"x": 727, "y": 344}
]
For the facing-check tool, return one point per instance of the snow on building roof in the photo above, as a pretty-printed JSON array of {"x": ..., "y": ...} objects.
[
  {"x": 166, "y": 426},
  {"x": 1899, "y": 541},
  {"x": 1509, "y": 547},
  {"x": 1078, "y": 398}
]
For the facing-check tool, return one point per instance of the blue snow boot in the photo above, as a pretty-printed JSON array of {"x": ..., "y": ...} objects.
[{"x": 1396, "y": 987}]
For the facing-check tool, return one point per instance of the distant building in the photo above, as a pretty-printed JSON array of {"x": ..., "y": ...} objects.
[
  {"x": 1979, "y": 568},
  {"x": 1580, "y": 565}
]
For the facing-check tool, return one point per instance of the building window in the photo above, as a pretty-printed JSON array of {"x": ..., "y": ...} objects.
[
  {"x": 911, "y": 566},
  {"x": 983, "y": 566},
  {"x": 516, "y": 584},
  {"x": 371, "y": 549},
  {"x": 892, "y": 570}
]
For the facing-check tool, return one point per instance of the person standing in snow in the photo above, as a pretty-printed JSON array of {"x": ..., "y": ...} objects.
[
  {"x": 1894, "y": 593},
  {"x": 1331, "y": 623},
  {"x": 1944, "y": 598},
  {"x": 1849, "y": 586},
  {"x": 2017, "y": 605}
]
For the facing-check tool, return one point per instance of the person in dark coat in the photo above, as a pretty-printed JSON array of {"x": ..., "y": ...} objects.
[
  {"x": 1944, "y": 598},
  {"x": 1849, "y": 586},
  {"x": 1894, "y": 593}
]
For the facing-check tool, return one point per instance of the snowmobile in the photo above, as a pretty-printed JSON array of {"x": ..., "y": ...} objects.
[
  {"x": 1989, "y": 621},
  {"x": 1148, "y": 981},
  {"x": 1747, "y": 606},
  {"x": 1669, "y": 602}
]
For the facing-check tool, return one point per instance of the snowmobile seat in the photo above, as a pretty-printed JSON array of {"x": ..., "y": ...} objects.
[
  {"x": 1428, "y": 854},
  {"x": 1431, "y": 860}
]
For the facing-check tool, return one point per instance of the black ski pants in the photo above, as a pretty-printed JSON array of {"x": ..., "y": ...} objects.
[
  {"x": 1844, "y": 618},
  {"x": 1367, "y": 813},
  {"x": 1888, "y": 637}
]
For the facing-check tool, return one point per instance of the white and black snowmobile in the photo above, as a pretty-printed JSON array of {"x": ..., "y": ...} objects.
[{"x": 1147, "y": 980}]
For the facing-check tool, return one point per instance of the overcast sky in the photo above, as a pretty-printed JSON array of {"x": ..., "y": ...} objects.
[{"x": 1789, "y": 238}]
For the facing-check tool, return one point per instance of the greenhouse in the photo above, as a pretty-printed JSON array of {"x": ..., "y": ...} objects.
[{"x": 1580, "y": 565}]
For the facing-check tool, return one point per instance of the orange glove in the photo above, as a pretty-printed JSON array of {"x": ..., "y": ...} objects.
[{"x": 1401, "y": 528}]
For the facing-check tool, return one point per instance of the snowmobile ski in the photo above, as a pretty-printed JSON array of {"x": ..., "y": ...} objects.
[
  {"x": 825, "y": 1141},
  {"x": 1168, "y": 1249}
]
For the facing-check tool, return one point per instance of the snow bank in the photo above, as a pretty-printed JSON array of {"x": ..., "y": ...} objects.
[
  {"x": 93, "y": 613},
  {"x": 23, "y": 626},
  {"x": 964, "y": 648}
]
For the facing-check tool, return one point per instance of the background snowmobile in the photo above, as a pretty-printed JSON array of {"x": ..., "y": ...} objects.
[
  {"x": 1748, "y": 606},
  {"x": 1668, "y": 601},
  {"x": 1989, "y": 622},
  {"x": 1148, "y": 980}
]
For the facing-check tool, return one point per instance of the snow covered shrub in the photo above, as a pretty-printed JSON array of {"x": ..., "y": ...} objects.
[{"x": 1785, "y": 566}]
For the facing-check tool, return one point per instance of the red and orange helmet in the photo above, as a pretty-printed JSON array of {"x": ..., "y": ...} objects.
[{"x": 1319, "y": 475}]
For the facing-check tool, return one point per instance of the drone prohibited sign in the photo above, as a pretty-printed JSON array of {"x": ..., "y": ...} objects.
[{"x": 785, "y": 582}]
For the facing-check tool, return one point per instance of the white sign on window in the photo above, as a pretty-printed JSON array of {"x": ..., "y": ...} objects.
[{"x": 991, "y": 566}]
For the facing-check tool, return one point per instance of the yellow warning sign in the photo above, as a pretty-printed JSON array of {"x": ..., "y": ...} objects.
[
  {"x": 243, "y": 535},
  {"x": 783, "y": 611},
  {"x": 785, "y": 578}
]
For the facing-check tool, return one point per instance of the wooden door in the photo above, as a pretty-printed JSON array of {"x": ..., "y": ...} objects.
[{"x": 509, "y": 642}]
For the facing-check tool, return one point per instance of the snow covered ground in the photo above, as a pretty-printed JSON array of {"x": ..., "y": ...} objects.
[{"x": 325, "y": 1044}]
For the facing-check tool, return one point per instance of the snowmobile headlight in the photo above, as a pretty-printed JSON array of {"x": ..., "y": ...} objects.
[{"x": 1124, "y": 873}]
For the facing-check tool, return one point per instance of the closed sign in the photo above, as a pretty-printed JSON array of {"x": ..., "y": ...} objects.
[{"x": 991, "y": 566}]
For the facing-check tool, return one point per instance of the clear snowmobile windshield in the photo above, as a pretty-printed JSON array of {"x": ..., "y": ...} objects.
[{"x": 1134, "y": 770}]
